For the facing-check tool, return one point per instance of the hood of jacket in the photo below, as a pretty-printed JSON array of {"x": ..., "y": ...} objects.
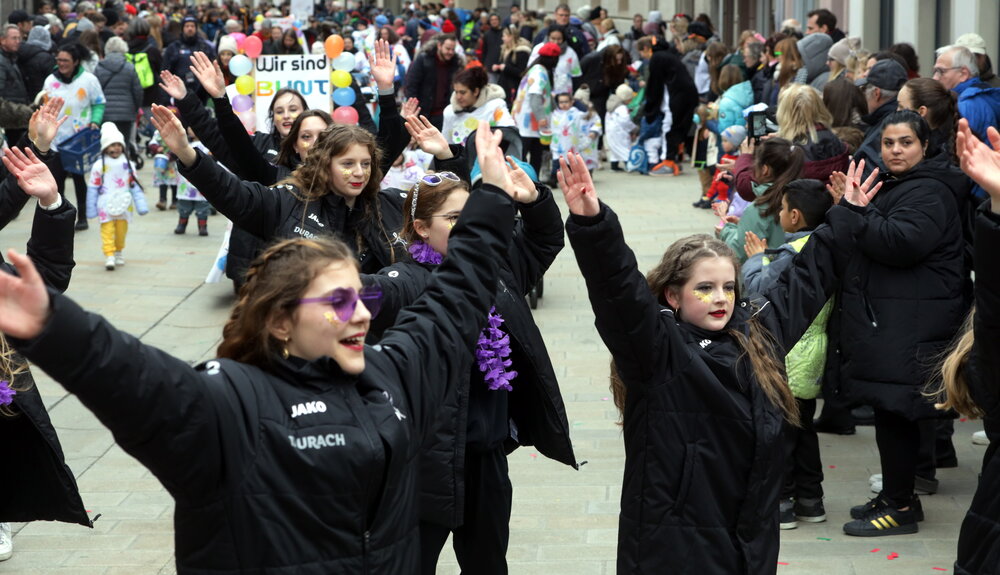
[
  {"x": 114, "y": 62},
  {"x": 938, "y": 167},
  {"x": 814, "y": 49},
  {"x": 490, "y": 92},
  {"x": 40, "y": 38}
]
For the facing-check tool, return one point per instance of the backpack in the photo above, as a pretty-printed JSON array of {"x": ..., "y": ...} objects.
[{"x": 142, "y": 68}]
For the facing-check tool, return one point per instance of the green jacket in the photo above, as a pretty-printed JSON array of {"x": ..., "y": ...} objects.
[
  {"x": 804, "y": 363},
  {"x": 753, "y": 220}
]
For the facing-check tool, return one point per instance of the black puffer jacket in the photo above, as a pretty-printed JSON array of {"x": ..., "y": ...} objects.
[
  {"x": 535, "y": 405},
  {"x": 36, "y": 484},
  {"x": 273, "y": 213},
  {"x": 702, "y": 442},
  {"x": 36, "y": 64},
  {"x": 301, "y": 468},
  {"x": 667, "y": 72},
  {"x": 902, "y": 301},
  {"x": 422, "y": 78},
  {"x": 979, "y": 540}
]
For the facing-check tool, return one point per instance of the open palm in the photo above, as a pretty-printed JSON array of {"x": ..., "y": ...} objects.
[
  {"x": 577, "y": 186},
  {"x": 24, "y": 301},
  {"x": 978, "y": 161},
  {"x": 383, "y": 66},
  {"x": 32, "y": 175}
]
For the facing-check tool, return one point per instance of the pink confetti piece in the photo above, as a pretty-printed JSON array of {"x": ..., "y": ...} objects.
[
  {"x": 892, "y": 556},
  {"x": 604, "y": 399},
  {"x": 534, "y": 455},
  {"x": 939, "y": 568},
  {"x": 963, "y": 420},
  {"x": 875, "y": 550},
  {"x": 833, "y": 467},
  {"x": 782, "y": 563}
]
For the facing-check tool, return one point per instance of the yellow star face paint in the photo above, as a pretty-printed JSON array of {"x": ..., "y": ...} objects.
[
  {"x": 703, "y": 297},
  {"x": 730, "y": 296},
  {"x": 331, "y": 318},
  {"x": 347, "y": 173}
]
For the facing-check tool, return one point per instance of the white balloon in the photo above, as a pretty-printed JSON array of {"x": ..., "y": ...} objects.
[{"x": 344, "y": 62}]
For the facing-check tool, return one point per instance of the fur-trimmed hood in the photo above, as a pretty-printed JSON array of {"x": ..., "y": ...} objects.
[{"x": 490, "y": 92}]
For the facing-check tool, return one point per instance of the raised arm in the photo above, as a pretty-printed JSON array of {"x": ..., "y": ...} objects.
[
  {"x": 392, "y": 138},
  {"x": 539, "y": 238},
  {"x": 250, "y": 205}
]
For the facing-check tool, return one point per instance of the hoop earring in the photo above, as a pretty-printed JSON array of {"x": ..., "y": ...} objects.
[{"x": 284, "y": 348}]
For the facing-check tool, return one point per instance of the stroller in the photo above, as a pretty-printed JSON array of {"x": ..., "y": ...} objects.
[{"x": 513, "y": 147}]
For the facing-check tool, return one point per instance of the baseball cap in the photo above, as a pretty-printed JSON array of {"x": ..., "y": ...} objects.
[
  {"x": 18, "y": 16},
  {"x": 885, "y": 74},
  {"x": 974, "y": 42},
  {"x": 699, "y": 29}
]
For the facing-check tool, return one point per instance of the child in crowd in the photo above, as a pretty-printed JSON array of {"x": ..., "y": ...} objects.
[
  {"x": 189, "y": 199},
  {"x": 803, "y": 207},
  {"x": 618, "y": 138},
  {"x": 164, "y": 172},
  {"x": 706, "y": 152},
  {"x": 113, "y": 193},
  {"x": 589, "y": 130},
  {"x": 732, "y": 137},
  {"x": 776, "y": 163},
  {"x": 408, "y": 168},
  {"x": 566, "y": 122}
]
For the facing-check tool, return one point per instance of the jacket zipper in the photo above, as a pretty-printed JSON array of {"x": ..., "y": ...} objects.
[{"x": 366, "y": 536}]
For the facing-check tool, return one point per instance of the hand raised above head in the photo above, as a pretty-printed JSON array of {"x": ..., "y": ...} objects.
[
  {"x": 209, "y": 74},
  {"x": 981, "y": 163},
  {"x": 383, "y": 66},
  {"x": 33, "y": 176},
  {"x": 577, "y": 186},
  {"x": 24, "y": 301},
  {"x": 428, "y": 137},
  {"x": 173, "y": 134},
  {"x": 45, "y": 122},
  {"x": 172, "y": 85}
]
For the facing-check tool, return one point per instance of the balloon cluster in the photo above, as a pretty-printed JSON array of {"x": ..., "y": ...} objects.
[
  {"x": 344, "y": 96},
  {"x": 240, "y": 66}
]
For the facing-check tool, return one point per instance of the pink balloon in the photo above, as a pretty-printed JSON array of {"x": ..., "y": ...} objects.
[
  {"x": 240, "y": 37},
  {"x": 243, "y": 103},
  {"x": 345, "y": 115},
  {"x": 252, "y": 46}
]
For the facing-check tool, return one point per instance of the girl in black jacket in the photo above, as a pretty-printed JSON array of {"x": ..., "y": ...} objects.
[
  {"x": 702, "y": 385},
  {"x": 296, "y": 450},
  {"x": 465, "y": 486},
  {"x": 971, "y": 372}
]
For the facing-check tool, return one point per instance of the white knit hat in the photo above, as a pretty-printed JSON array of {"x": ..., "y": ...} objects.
[
  {"x": 110, "y": 134},
  {"x": 624, "y": 92},
  {"x": 228, "y": 44}
]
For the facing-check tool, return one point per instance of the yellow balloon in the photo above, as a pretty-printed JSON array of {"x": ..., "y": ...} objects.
[
  {"x": 341, "y": 78},
  {"x": 245, "y": 85},
  {"x": 259, "y": 18}
]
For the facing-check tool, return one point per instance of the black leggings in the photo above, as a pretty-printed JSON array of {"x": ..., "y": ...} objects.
[
  {"x": 79, "y": 185},
  {"x": 533, "y": 150},
  {"x": 898, "y": 442}
]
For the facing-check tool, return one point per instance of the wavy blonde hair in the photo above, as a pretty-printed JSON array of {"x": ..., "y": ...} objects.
[
  {"x": 800, "y": 109},
  {"x": 12, "y": 365},
  {"x": 953, "y": 390}
]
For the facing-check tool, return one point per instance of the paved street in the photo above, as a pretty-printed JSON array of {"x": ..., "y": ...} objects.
[{"x": 564, "y": 521}]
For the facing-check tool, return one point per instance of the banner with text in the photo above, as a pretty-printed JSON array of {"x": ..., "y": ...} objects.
[{"x": 310, "y": 75}]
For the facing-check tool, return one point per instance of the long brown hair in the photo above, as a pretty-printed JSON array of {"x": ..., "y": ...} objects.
[
  {"x": 785, "y": 161},
  {"x": 673, "y": 271},
  {"x": 275, "y": 281},
  {"x": 312, "y": 177},
  {"x": 791, "y": 60},
  {"x": 953, "y": 390},
  {"x": 942, "y": 109},
  {"x": 286, "y": 152},
  {"x": 429, "y": 200}
]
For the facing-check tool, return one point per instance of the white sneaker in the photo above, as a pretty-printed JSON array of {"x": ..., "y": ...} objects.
[
  {"x": 119, "y": 259},
  {"x": 6, "y": 542},
  {"x": 979, "y": 438},
  {"x": 877, "y": 478},
  {"x": 921, "y": 486},
  {"x": 109, "y": 263}
]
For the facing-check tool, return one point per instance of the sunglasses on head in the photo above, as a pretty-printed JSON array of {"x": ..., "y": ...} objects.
[
  {"x": 345, "y": 300},
  {"x": 432, "y": 180}
]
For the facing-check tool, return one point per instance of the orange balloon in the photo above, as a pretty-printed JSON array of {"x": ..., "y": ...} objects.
[{"x": 333, "y": 45}]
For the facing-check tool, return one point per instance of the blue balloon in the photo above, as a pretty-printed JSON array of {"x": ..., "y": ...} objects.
[
  {"x": 240, "y": 65},
  {"x": 344, "y": 97}
]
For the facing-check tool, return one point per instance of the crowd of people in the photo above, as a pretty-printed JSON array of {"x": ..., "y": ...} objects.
[{"x": 856, "y": 199}]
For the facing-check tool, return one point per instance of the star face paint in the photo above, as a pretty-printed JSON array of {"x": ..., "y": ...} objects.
[
  {"x": 350, "y": 172},
  {"x": 704, "y": 297}
]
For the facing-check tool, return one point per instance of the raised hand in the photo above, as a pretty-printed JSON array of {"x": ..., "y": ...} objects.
[
  {"x": 173, "y": 134},
  {"x": 753, "y": 245},
  {"x": 383, "y": 66},
  {"x": 172, "y": 85},
  {"x": 857, "y": 192},
  {"x": 577, "y": 186},
  {"x": 45, "y": 122},
  {"x": 837, "y": 186},
  {"x": 24, "y": 301},
  {"x": 491, "y": 162},
  {"x": 720, "y": 208},
  {"x": 980, "y": 162},
  {"x": 32, "y": 175},
  {"x": 523, "y": 185},
  {"x": 410, "y": 109},
  {"x": 209, "y": 74},
  {"x": 428, "y": 137}
]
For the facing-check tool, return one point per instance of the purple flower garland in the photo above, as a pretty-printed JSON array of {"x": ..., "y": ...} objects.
[
  {"x": 493, "y": 347},
  {"x": 6, "y": 393}
]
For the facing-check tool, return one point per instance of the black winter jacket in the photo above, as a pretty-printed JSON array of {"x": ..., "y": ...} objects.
[
  {"x": 702, "y": 442},
  {"x": 278, "y": 212},
  {"x": 535, "y": 405},
  {"x": 979, "y": 540},
  {"x": 421, "y": 79},
  {"x": 300, "y": 468},
  {"x": 37, "y": 485},
  {"x": 36, "y": 64},
  {"x": 902, "y": 301},
  {"x": 667, "y": 72}
]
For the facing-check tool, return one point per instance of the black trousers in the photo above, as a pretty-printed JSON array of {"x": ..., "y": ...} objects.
[
  {"x": 898, "y": 442},
  {"x": 480, "y": 543},
  {"x": 533, "y": 151},
  {"x": 79, "y": 185},
  {"x": 803, "y": 468}
]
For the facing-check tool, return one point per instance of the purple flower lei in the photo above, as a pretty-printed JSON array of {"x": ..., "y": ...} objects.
[
  {"x": 493, "y": 347},
  {"x": 6, "y": 393}
]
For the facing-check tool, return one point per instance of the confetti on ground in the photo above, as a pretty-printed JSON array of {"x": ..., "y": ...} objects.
[
  {"x": 782, "y": 563},
  {"x": 963, "y": 420},
  {"x": 892, "y": 556},
  {"x": 604, "y": 399},
  {"x": 823, "y": 538},
  {"x": 939, "y": 568},
  {"x": 533, "y": 455},
  {"x": 833, "y": 467},
  {"x": 876, "y": 550}
]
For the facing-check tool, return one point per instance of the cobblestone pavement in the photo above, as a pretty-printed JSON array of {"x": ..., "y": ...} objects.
[{"x": 563, "y": 521}]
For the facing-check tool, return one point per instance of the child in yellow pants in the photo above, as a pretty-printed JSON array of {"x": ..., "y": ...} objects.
[{"x": 113, "y": 193}]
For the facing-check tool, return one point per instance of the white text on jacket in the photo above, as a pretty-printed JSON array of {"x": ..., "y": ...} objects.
[
  {"x": 318, "y": 441},
  {"x": 308, "y": 407}
]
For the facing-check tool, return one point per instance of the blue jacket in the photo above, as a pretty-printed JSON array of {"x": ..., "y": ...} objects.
[
  {"x": 979, "y": 103},
  {"x": 733, "y": 102}
]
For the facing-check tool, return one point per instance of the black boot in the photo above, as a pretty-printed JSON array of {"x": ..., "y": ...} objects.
[
  {"x": 202, "y": 227},
  {"x": 182, "y": 225}
]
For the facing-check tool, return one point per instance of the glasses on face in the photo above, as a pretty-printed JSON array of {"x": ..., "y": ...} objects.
[
  {"x": 449, "y": 218},
  {"x": 345, "y": 300},
  {"x": 942, "y": 71}
]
